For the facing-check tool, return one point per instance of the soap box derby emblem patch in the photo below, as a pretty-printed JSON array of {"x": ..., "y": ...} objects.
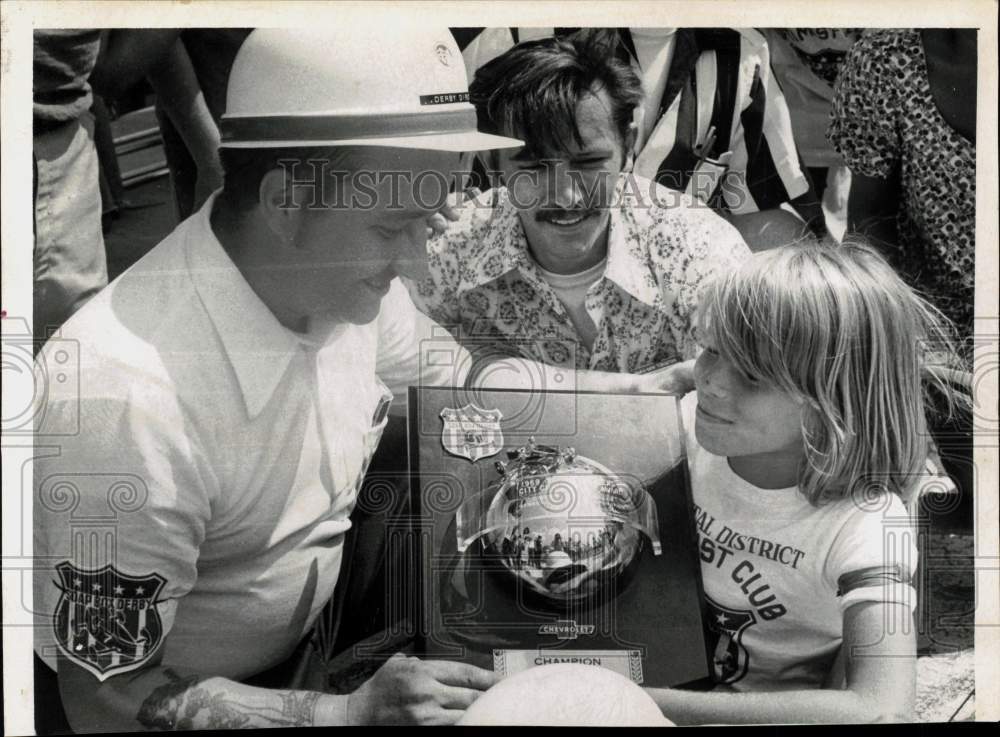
[
  {"x": 472, "y": 432},
  {"x": 105, "y": 620}
]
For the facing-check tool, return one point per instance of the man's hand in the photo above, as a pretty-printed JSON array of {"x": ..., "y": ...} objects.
[
  {"x": 676, "y": 379},
  {"x": 412, "y": 691},
  {"x": 438, "y": 222}
]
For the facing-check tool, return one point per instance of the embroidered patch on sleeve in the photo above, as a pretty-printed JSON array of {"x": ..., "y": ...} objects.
[{"x": 105, "y": 620}]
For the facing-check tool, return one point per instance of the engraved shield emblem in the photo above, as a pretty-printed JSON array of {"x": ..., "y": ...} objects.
[
  {"x": 730, "y": 658},
  {"x": 472, "y": 432},
  {"x": 105, "y": 620}
]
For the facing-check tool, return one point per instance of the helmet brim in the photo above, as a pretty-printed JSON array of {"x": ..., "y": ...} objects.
[{"x": 457, "y": 142}]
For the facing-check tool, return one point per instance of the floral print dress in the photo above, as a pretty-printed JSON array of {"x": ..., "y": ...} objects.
[{"x": 885, "y": 119}]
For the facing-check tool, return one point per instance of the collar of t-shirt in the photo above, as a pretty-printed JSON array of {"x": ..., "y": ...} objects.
[
  {"x": 654, "y": 49},
  {"x": 571, "y": 289}
]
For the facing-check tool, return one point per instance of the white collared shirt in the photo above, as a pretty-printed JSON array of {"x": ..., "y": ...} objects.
[{"x": 205, "y": 444}]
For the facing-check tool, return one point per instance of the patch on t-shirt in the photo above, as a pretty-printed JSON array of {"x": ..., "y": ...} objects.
[
  {"x": 106, "y": 620},
  {"x": 730, "y": 659}
]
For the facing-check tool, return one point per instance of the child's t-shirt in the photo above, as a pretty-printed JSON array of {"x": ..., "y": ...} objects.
[{"x": 779, "y": 573}]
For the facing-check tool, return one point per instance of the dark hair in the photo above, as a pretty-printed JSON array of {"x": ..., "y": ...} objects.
[
  {"x": 532, "y": 90},
  {"x": 244, "y": 168}
]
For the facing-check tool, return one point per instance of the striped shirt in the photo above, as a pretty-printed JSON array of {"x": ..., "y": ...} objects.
[{"x": 720, "y": 80}]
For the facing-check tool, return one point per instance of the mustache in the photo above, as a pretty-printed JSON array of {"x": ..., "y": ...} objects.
[{"x": 557, "y": 213}]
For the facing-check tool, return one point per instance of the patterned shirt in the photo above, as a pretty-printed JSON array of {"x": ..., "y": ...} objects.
[
  {"x": 886, "y": 119},
  {"x": 486, "y": 288}
]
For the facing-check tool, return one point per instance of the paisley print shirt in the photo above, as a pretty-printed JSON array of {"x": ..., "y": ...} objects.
[
  {"x": 662, "y": 248},
  {"x": 885, "y": 118}
]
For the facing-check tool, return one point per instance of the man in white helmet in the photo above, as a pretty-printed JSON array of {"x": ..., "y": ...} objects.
[{"x": 204, "y": 458}]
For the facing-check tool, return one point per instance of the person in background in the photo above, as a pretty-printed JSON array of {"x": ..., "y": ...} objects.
[
  {"x": 905, "y": 122},
  {"x": 112, "y": 187},
  {"x": 713, "y": 121},
  {"x": 200, "y": 64},
  {"x": 190, "y": 99},
  {"x": 806, "y": 62},
  {"x": 70, "y": 264},
  {"x": 536, "y": 552},
  {"x": 70, "y": 66}
]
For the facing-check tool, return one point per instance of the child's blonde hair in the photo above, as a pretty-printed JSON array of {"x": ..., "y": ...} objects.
[{"x": 835, "y": 326}]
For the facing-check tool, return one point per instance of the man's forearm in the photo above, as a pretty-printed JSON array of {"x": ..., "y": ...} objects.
[
  {"x": 176, "y": 85},
  {"x": 528, "y": 375},
  {"x": 768, "y": 229},
  {"x": 162, "y": 698},
  {"x": 785, "y": 707}
]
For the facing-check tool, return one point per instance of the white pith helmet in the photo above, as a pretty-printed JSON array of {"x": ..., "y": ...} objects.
[{"x": 398, "y": 87}]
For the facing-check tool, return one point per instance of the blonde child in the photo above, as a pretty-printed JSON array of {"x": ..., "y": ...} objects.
[{"x": 809, "y": 433}]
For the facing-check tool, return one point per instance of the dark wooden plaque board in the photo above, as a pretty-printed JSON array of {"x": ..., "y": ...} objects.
[{"x": 471, "y": 611}]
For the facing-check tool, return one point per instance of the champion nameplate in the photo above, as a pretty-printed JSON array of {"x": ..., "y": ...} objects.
[{"x": 626, "y": 662}]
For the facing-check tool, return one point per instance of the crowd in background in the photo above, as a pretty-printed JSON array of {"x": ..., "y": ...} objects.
[{"x": 877, "y": 125}]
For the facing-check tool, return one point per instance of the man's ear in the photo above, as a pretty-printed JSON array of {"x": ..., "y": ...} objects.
[
  {"x": 631, "y": 134},
  {"x": 278, "y": 206}
]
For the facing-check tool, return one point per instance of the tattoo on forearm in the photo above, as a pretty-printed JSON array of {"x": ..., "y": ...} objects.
[{"x": 185, "y": 703}]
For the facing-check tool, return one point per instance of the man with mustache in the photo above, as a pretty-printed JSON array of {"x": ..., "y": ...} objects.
[
  {"x": 713, "y": 122},
  {"x": 574, "y": 263}
]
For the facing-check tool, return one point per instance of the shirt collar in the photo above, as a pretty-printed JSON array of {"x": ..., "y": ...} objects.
[
  {"x": 507, "y": 246},
  {"x": 629, "y": 243},
  {"x": 258, "y": 347}
]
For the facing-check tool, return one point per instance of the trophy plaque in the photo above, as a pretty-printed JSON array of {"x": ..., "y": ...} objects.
[{"x": 556, "y": 527}]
